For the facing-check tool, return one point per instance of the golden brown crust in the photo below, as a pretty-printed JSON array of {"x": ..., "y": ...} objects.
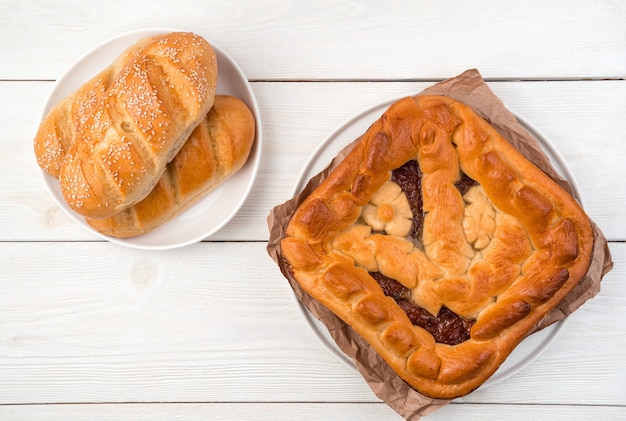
[
  {"x": 216, "y": 149},
  {"x": 503, "y": 254},
  {"x": 128, "y": 122}
]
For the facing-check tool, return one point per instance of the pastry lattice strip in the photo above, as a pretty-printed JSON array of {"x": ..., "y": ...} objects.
[{"x": 503, "y": 254}]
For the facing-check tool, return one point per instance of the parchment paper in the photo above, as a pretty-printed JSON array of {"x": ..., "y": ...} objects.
[{"x": 471, "y": 89}]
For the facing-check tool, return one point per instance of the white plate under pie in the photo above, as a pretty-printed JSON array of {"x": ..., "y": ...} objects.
[
  {"x": 214, "y": 210},
  {"x": 532, "y": 346}
]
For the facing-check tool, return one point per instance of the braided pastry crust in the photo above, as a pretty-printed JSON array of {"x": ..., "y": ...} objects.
[{"x": 439, "y": 243}]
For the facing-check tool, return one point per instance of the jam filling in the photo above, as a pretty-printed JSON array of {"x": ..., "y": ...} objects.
[
  {"x": 447, "y": 327},
  {"x": 409, "y": 178},
  {"x": 465, "y": 183}
]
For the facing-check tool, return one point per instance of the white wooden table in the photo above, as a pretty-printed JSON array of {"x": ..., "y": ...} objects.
[{"x": 93, "y": 330}]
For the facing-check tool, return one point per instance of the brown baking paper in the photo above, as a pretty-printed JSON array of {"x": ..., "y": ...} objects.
[{"x": 469, "y": 88}]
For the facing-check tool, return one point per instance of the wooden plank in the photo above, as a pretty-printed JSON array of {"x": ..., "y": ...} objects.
[
  {"x": 300, "y": 412},
  {"x": 296, "y": 119},
  {"x": 94, "y": 322},
  {"x": 90, "y": 330},
  {"x": 273, "y": 40}
]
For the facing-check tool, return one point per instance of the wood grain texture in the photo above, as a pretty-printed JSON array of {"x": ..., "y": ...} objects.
[
  {"x": 529, "y": 40},
  {"x": 94, "y": 322},
  {"x": 297, "y": 412},
  {"x": 298, "y": 117},
  {"x": 91, "y": 330},
  {"x": 124, "y": 325}
]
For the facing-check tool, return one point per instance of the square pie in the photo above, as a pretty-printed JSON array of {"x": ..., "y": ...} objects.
[{"x": 438, "y": 243}]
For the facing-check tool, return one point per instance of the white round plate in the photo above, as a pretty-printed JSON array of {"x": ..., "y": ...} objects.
[
  {"x": 214, "y": 210},
  {"x": 531, "y": 347}
]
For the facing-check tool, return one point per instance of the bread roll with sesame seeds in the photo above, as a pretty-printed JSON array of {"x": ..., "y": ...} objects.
[
  {"x": 128, "y": 123},
  {"x": 59, "y": 128},
  {"x": 216, "y": 149}
]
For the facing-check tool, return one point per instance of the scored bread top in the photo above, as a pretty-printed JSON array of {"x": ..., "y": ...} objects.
[
  {"x": 495, "y": 255},
  {"x": 128, "y": 122},
  {"x": 217, "y": 148}
]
